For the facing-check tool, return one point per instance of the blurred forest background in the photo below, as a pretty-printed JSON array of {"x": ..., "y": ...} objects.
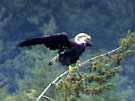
[{"x": 24, "y": 71}]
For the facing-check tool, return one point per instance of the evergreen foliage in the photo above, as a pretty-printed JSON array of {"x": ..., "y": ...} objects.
[
  {"x": 24, "y": 72},
  {"x": 102, "y": 70}
]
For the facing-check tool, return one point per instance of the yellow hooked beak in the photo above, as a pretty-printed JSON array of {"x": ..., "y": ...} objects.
[{"x": 87, "y": 38}]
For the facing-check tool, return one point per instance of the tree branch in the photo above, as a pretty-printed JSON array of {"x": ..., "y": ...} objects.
[{"x": 82, "y": 64}]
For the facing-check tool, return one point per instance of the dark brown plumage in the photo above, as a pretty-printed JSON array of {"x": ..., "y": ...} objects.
[{"x": 69, "y": 51}]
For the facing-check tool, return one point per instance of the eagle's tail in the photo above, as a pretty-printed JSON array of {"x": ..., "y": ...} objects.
[{"x": 53, "y": 60}]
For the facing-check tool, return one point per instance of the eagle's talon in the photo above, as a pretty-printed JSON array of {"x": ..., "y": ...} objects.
[
  {"x": 50, "y": 63},
  {"x": 70, "y": 69}
]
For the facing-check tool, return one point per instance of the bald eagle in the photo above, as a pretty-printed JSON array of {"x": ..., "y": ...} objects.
[{"x": 68, "y": 51}]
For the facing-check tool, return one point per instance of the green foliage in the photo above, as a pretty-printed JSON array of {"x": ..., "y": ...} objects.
[
  {"x": 99, "y": 78},
  {"x": 107, "y": 20},
  {"x": 129, "y": 40},
  {"x": 49, "y": 28},
  {"x": 32, "y": 64}
]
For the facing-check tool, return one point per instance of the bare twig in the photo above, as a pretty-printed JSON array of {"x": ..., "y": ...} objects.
[
  {"x": 48, "y": 98},
  {"x": 108, "y": 53},
  {"x": 50, "y": 84},
  {"x": 82, "y": 64}
]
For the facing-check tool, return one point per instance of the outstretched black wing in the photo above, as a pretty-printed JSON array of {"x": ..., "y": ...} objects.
[{"x": 57, "y": 41}]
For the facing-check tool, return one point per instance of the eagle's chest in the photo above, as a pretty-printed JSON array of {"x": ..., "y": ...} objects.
[{"x": 72, "y": 55}]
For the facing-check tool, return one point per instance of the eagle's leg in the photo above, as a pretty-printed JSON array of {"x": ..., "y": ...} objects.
[{"x": 53, "y": 60}]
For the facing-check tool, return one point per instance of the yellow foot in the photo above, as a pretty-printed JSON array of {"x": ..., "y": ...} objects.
[
  {"x": 78, "y": 63},
  {"x": 70, "y": 69}
]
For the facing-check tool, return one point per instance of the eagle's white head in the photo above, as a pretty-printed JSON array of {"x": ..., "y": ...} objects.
[{"x": 83, "y": 38}]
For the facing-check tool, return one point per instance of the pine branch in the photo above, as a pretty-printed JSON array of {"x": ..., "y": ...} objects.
[
  {"x": 51, "y": 84},
  {"x": 82, "y": 64},
  {"x": 105, "y": 54},
  {"x": 125, "y": 48}
]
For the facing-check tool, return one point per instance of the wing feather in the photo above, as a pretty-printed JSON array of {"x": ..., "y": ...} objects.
[{"x": 53, "y": 42}]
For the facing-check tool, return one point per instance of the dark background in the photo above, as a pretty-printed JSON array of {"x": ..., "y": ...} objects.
[{"x": 22, "y": 69}]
